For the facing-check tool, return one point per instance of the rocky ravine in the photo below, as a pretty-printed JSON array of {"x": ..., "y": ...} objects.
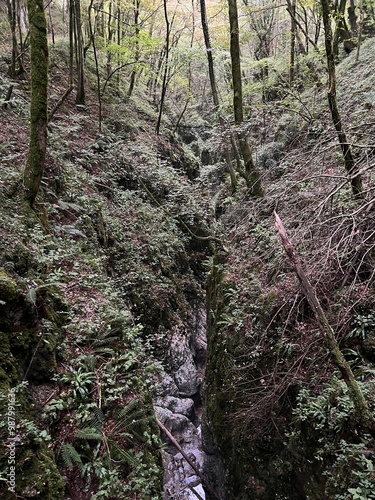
[{"x": 178, "y": 407}]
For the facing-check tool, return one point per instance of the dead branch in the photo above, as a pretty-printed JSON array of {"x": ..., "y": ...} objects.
[
  {"x": 59, "y": 103},
  {"x": 186, "y": 457},
  {"x": 365, "y": 418}
]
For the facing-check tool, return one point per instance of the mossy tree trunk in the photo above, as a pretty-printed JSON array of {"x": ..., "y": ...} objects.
[
  {"x": 252, "y": 177},
  {"x": 215, "y": 97},
  {"x": 38, "y": 107},
  {"x": 166, "y": 68},
  {"x": 81, "y": 94},
  {"x": 350, "y": 166}
]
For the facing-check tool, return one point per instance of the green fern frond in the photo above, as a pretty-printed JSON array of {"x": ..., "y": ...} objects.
[
  {"x": 89, "y": 434},
  {"x": 105, "y": 340},
  {"x": 97, "y": 418},
  {"x": 129, "y": 408},
  {"x": 120, "y": 453},
  {"x": 104, "y": 350},
  {"x": 91, "y": 361},
  {"x": 70, "y": 456}
]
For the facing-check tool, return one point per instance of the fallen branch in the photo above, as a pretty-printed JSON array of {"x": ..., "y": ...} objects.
[
  {"x": 190, "y": 462},
  {"x": 59, "y": 103},
  {"x": 364, "y": 416}
]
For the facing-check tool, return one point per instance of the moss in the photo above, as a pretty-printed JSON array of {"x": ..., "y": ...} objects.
[
  {"x": 45, "y": 342},
  {"x": 38, "y": 107},
  {"x": 38, "y": 476},
  {"x": 8, "y": 287},
  {"x": 8, "y": 372},
  {"x": 36, "y": 471},
  {"x": 21, "y": 257},
  {"x": 101, "y": 230}
]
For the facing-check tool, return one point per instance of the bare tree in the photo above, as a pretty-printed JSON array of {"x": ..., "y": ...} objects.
[
  {"x": 215, "y": 96},
  {"x": 13, "y": 11},
  {"x": 78, "y": 35},
  {"x": 136, "y": 5},
  {"x": 166, "y": 66}
]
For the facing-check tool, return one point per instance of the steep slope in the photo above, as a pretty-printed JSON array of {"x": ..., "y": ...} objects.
[
  {"x": 94, "y": 286},
  {"x": 277, "y": 407}
]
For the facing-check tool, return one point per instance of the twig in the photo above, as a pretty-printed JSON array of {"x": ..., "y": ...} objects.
[{"x": 49, "y": 398}]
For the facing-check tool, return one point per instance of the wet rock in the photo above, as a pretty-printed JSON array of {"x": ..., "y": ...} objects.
[
  {"x": 174, "y": 422},
  {"x": 186, "y": 378},
  {"x": 177, "y": 405},
  {"x": 166, "y": 386}
]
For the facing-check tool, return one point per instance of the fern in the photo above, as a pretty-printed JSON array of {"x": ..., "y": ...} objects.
[
  {"x": 129, "y": 419},
  {"x": 90, "y": 434},
  {"x": 132, "y": 405},
  {"x": 121, "y": 453},
  {"x": 97, "y": 418},
  {"x": 70, "y": 457}
]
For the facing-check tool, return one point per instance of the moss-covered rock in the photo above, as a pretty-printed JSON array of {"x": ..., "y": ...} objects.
[
  {"x": 37, "y": 474},
  {"x": 9, "y": 290}
]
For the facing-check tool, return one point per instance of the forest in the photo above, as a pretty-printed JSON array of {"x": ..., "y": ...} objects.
[{"x": 187, "y": 245}]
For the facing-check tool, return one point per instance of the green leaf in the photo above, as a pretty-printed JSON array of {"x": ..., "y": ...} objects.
[{"x": 31, "y": 296}]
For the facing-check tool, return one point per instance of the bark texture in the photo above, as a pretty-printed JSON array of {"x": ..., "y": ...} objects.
[
  {"x": 251, "y": 175},
  {"x": 350, "y": 166},
  {"x": 38, "y": 108},
  {"x": 215, "y": 97}
]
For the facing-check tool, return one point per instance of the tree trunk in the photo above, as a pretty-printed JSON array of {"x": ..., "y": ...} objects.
[
  {"x": 352, "y": 17},
  {"x": 236, "y": 61},
  {"x": 360, "y": 29},
  {"x": 293, "y": 29},
  {"x": 110, "y": 36},
  {"x": 342, "y": 32},
  {"x": 166, "y": 67},
  {"x": 92, "y": 38},
  {"x": 71, "y": 42},
  {"x": 350, "y": 166},
  {"x": 12, "y": 18},
  {"x": 215, "y": 98},
  {"x": 252, "y": 177},
  {"x": 80, "y": 97},
  {"x": 51, "y": 26},
  {"x": 38, "y": 106},
  {"x": 136, "y": 5}
]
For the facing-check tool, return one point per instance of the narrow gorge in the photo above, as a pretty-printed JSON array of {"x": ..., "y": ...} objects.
[
  {"x": 179, "y": 408},
  {"x": 157, "y": 342}
]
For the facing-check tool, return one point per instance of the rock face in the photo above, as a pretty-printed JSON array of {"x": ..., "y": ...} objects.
[{"x": 178, "y": 407}]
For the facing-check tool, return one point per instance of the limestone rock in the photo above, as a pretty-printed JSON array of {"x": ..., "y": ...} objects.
[{"x": 184, "y": 406}]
